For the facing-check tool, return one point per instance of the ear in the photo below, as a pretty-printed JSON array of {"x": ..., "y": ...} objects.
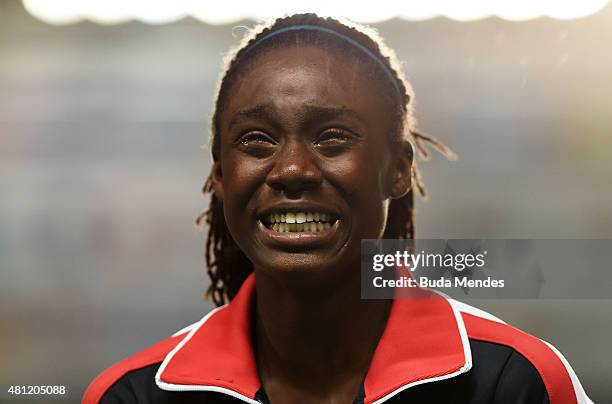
[
  {"x": 401, "y": 171},
  {"x": 216, "y": 177}
]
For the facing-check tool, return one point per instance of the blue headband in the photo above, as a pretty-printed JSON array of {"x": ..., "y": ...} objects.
[{"x": 348, "y": 39}]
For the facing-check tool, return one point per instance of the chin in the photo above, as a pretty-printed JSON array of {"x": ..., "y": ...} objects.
[{"x": 332, "y": 264}]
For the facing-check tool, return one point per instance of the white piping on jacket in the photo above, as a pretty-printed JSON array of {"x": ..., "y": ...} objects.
[
  {"x": 581, "y": 396},
  {"x": 467, "y": 353},
  {"x": 186, "y": 387}
]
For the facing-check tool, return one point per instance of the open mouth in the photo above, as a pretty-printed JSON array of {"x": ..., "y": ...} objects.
[{"x": 298, "y": 222}]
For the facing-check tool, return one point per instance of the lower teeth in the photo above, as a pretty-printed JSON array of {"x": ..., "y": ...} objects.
[{"x": 310, "y": 227}]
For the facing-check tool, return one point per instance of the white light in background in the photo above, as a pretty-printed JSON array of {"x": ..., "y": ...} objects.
[
  {"x": 520, "y": 10},
  {"x": 54, "y": 12},
  {"x": 465, "y": 10},
  {"x": 106, "y": 12},
  {"x": 156, "y": 11},
  {"x": 225, "y": 12},
  {"x": 212, "y": 12}
]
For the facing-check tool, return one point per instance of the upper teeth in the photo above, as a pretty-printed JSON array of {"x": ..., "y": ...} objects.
[{"x": 298, "y": 217}]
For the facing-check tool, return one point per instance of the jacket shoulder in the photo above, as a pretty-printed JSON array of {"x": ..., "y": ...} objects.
[
  {"x": 562, "y": 384},
  {"x": 154, "y": 354}
]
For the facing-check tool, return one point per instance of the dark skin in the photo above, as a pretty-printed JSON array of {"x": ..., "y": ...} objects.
[{"x": 307, "y": 129}]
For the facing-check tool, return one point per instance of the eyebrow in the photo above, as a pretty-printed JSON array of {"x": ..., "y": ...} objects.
[
  {"x": 263, "y": 111},
  {"x": 312, "y": 113}
]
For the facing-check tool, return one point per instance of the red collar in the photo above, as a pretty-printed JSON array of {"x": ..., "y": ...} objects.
[{"x": 424, "y": 341}]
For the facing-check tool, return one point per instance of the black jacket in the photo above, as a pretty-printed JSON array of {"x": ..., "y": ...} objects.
[{"x": 433, "y": 350}]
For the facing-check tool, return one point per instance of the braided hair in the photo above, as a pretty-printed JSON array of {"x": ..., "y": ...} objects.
[{"x": 227, "y": 265}]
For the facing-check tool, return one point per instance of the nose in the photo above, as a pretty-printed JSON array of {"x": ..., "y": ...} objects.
[{"x": 295, "y": 168}]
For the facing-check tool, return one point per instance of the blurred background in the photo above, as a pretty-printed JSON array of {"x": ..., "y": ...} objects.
[{"x": 103, "y": 151}]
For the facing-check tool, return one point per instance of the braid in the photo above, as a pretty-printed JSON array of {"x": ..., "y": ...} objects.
[{"x": 227, "y": 265}]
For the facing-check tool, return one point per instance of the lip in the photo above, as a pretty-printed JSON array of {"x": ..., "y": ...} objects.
[{"x": 297, "y": 240}]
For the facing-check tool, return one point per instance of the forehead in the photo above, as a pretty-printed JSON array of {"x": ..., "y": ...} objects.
[{"x": 290, "y": 77}]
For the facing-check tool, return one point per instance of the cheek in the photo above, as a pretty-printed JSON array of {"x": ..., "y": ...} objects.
[
  {"x": 362, "y": 172},
  {"x": 355, "y": 176},
  {"x": 241, "y": 179},
  {"x": 361, "y": 176}
]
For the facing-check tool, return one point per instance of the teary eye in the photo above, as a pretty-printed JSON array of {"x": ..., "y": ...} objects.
[
  {"x": 332, "y": 137},
  {"x": 335, "y": 141},
  {"x": 255, "y": 137},
  {"x": 256, "y": 143}
]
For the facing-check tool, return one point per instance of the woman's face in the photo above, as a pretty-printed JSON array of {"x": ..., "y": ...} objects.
[{"x": 306, "y": 167}]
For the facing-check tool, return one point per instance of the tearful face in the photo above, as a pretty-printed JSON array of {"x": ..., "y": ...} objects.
[{"x": 305, "y": 162}]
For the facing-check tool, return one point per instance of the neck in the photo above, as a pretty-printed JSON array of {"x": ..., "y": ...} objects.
[{"x": 313, "y": 334}]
